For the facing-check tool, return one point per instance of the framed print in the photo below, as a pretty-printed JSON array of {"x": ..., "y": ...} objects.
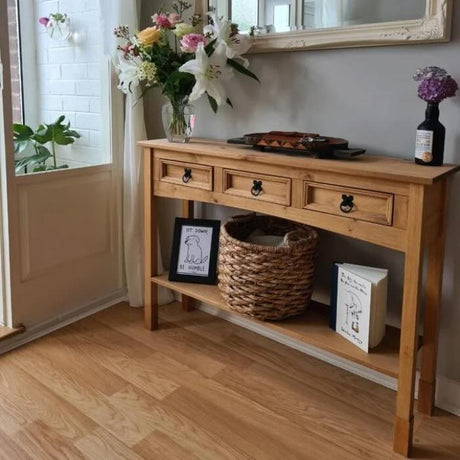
[{"x": 194, "y": 251}]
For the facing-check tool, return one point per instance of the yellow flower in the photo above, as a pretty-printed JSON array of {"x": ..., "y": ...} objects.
[
  {"x": 149, "y": 36},
  {"x": 182, "y": 29}
]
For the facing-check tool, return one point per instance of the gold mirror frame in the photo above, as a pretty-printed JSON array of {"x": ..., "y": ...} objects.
[{"x": 435, "y": 26}]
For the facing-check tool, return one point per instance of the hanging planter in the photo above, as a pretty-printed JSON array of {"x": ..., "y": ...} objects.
[{"x": 57, "y": 26}]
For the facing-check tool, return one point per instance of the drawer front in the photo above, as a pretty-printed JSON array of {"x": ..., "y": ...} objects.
[
  {"x": 272, "y": 189},
  {"x": 366, "y": 205},
  {"x": 186, "y": 174}
]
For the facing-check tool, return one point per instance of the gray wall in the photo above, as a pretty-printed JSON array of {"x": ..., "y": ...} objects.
[{"x": 367, "y": 96}]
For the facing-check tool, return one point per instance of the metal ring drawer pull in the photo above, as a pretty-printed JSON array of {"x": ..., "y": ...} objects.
[
  {"x": 347, "y": 203},
  {"x": 256, "y": 189},
  {"x": 187, "y": 175}
]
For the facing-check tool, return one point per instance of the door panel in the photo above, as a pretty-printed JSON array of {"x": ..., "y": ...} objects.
[
  {"x": 62, "y": 229},
  {"x": 69, "y": 241}
]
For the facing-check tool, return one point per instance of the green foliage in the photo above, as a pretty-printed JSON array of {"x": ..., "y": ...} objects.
[
  {"x": 212, "y": 103},
  {"x": 240, "y": 68},
  {"x": 56, "y": 133}
]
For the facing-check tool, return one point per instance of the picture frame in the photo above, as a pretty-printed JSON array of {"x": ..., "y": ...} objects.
[{"x": 194, "y": 251}]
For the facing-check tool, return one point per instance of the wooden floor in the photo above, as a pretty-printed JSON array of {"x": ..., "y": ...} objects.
[{"x": 199, "y": 388}]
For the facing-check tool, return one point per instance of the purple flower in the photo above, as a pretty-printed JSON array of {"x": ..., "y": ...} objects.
[
  {"x": 429, "y": 72},
  {"x": 44, "y": 21},
  {"x": 434, "y": 90}
]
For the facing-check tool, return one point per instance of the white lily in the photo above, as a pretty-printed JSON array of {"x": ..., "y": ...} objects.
[
  {"x": 235, "y": 45},
  {"x": 238, "y": 45},
  {"x": 208, "y": 72},
  {"x": 128, "y": 73},
  {"x": 218, "y": 29}
]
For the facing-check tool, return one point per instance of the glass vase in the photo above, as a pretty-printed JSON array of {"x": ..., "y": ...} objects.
[
  {"x": 58, "y": 27},
  {"x": 178, "y": 121}
]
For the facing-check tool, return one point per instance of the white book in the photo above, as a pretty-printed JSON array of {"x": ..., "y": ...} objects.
[{"x": 359, "y": 304}]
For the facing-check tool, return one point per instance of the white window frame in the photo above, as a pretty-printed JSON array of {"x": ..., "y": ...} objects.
[
  {"x": 6, "y": 170},
  {"x": 28, "y": 60}
]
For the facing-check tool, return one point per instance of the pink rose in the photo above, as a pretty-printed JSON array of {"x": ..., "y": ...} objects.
[
  {"x": 173, "y": 19},
  {"x": 161, "y": 20},
  {"x": 189, "y": 42},
  {"x": 44, "y": 21}
]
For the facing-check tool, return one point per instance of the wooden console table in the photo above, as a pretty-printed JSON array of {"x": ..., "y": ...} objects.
[{"x": 396, "y": 204}]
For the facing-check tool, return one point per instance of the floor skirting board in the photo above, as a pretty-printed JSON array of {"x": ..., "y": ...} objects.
[
  {"x": 447, "y": 392},
  {"x": 36, "y": 331}
]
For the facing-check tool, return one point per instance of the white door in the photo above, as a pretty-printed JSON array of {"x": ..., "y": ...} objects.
[{"x": 64, "y": 237}]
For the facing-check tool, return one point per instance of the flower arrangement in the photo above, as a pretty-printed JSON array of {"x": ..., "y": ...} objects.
[
  {"x": 184, "y": 63},
  {"x": 435, "y": 84},
  {"x": 57, "y": 25}
]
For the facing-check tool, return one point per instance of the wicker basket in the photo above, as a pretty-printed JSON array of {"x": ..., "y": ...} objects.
[{"x": 267, "y": 282}]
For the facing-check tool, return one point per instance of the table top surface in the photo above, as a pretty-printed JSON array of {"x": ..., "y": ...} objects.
[{"x": 367, "y": 165}]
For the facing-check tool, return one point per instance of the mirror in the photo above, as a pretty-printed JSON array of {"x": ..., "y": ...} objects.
[{"x": 301, "y": 24}]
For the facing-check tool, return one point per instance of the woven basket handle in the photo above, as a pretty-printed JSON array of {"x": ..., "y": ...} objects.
[{"x": 242, "y": 217}]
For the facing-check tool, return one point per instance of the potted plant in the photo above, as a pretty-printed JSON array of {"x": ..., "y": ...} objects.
[{"x": 30, "y": 147}]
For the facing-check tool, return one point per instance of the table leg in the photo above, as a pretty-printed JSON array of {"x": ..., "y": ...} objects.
[
  {"x": 188, "y": 212},
  {"x": 432, "y": 296},
  {"x": 404, "y": 422},
  {"x": 150, "y": 246}
]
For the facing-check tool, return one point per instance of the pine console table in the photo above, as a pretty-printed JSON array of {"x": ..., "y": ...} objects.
[{"x": 395, "y": 203}]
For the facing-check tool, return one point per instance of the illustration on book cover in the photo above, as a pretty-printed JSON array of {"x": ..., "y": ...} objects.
[{"x": 353, "y": 308}]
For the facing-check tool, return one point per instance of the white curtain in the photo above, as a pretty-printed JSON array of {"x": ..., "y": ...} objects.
[
  {"x": 113, "y": 13},
  {"x": 329, "y": 13}
]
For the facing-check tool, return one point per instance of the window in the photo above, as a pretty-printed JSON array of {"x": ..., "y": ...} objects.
[
  {"x": 16, "y": 84},
  {"x": 244, "y": 13},
  {"x": 67, "y": 77},
  {"x": 281, "y": 17}
]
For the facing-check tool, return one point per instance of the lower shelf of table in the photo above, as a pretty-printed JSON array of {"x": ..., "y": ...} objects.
[{"x": 310, "y": 328}]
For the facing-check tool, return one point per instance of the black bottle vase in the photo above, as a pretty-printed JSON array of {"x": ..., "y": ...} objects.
[{"x": 431, "y": 134}]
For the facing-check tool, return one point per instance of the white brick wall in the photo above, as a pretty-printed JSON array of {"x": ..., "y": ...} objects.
[{"x": 69, "y": 79}]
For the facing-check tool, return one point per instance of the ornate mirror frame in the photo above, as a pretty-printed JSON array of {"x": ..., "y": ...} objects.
[{"x": 434, "y": 27}]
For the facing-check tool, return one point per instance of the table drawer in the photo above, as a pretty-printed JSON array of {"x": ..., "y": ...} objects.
[
  {"x": 262, "y": 187},
  {"x": 358, "y": 204},
  {"x": 186, "y": 174}
]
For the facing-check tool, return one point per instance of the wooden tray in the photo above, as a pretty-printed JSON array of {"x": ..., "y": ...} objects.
[{"x": 304, "y": 144}]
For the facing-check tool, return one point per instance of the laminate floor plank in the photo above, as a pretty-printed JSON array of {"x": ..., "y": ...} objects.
[
  {"x": 312, "y": 410},
  {"x": 90, "y": 401},
  {"x": 198, "y": 388},
  {"x": 43, "y": 443},
  {"x": 159, "y": 445},
  {"x": 37, "y": 403},
  {"x": 10, "y": 449},
  {"x": 206, "y": 357},
  {"x": 100, "y": 445},
  {"x": 156, "y": 416},
  {"x": 112, "y": 358}
]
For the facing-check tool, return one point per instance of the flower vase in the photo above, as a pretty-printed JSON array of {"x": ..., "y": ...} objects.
[
  {"x": 178, "y": 121},
  {"x": 58, "y": 28},
  {"x": 429, "y": 150}
]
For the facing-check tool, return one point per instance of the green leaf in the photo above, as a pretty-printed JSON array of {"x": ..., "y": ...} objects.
[
  {"x": 240, "y": 68},
  {"x": 209, "y": 48},
  {"x": 22, "y": 131},
  {"x": 38, "y": 159},
  {"x": 229, "y": 102},
  {"x": 40, "y": 168},
  {"x": 212, "y": 103},
  {"x": 56, "y": 132},
  {"x": 22, "y": 137}
]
